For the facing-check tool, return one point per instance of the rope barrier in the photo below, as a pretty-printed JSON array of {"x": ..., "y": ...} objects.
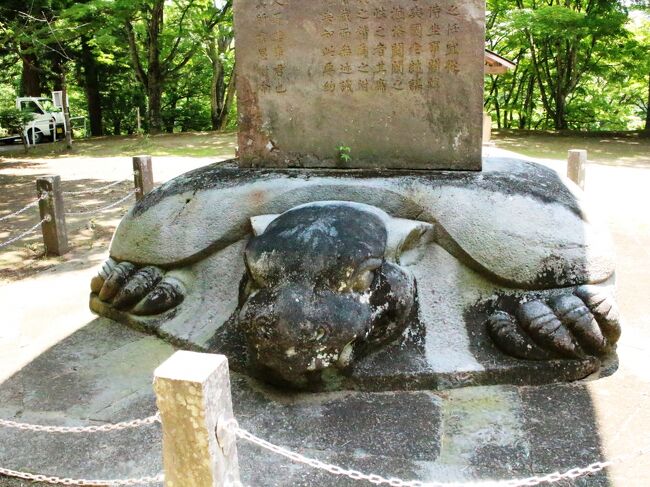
[
  {"x": 97, "y": 210},
  {"x": 24, "y": 234},
  {"x": 551, "y": 478},
  {"x": 95, "y": 190}
]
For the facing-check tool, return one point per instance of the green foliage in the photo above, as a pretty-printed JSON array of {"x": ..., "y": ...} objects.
[
  {"x": 345, "y": 153},
  {"x": 13, "y": 120}
]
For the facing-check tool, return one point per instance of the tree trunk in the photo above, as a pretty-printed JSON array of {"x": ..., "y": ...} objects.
[
  {"x": 66, "y": 108},
  {"x": 647, "y": 112},
  {"x": 30, "y": 82},
  {"x": 225, "y": 112},
  {"x": 154, "y": 71},
  {"x": 91, "y": 85}
]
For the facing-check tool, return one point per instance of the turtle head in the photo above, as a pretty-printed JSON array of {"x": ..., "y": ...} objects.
[{"x": 324, "y": 285}]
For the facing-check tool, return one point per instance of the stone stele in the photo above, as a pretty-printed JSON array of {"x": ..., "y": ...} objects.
[{"x": 360, "y": 83}]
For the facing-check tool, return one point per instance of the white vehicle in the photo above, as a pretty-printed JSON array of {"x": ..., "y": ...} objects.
[{"x": 48, "y": 121}]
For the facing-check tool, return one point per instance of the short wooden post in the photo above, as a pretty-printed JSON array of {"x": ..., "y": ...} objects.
[
  {"x": 193, "y": 396},
  {"x": 142, "y": 176},
  {"x": 487, "y": 128},
  {"x": 55, "y": 234},
  {"x": 576, "y": 167}
]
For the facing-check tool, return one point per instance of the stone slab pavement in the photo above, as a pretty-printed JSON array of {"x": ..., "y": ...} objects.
[{"x": 61, "y": 365}]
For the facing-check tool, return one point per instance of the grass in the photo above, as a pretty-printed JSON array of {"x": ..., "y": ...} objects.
[
  {"x": 621, "y": 150},
  {"x": 190, "y": 144}
]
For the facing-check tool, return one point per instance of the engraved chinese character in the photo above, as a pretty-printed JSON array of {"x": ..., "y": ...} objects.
[
  {"x": 398, "y": 31},
  {"x": 452, "y": 48},
  {"x": 453, "y": 10},
  {"x": 380, "y": 13},
  {"x": 434, "y": 30},
  {"x": 364, "y": 68},
  {"x": 279, "y": 36},
  {"x": 262, "y": 17},
  {"x": 380, "y": 68},
  {"x": 380, "y": 31},
  {"x": 278, "y": 69},
  {"x": 416, "y": 12},
  {"x": 363, "y": 13},
  {"x": 329, "y": 86},
  {"x": 416, "y": 48},
  {"x": 380, "y": 85},
  {"x": 415, "y": 85},
  {"x": 329, "y": 51},
  {"x": 434, "y": 48},
  {"x": 278, "y": 51},
  {"x": 433, "y": 82},
  {"x": 362, "y": 32},
  {"x": 416, "y": 30},
  {"x": 346, "y": 86},
  {"x": 265, "y": 85},
  {"x": 345, "y": 51},
  {"x": 264, "y": 53},
  {"x": 362, "y": 50},
  {"x": 397, "y": 50},
  {"x": 451, "y": 66},
  {"x": 415, "y": 66},
  {"x": 280, "y": 88},
  {"x": 398, "y": 84},
  {"x": 379, "y": 50},
  {"x": 453, "y": 29},
  {"x": 345, "y": 33},
  {"x": 433, "y": 66},
  {"x": 434, "y": 11},
  {"x": 329, "y": 69},
  {"x": 327, "y": 17},
  {"x": 398, "y": 13},
  {"x": 327, "y": 33},
  {"x": 397, "y": 66},
  {"x": 345, "y": 15},
  {"x": 362, "y": 85},
  {"x": 346, "y": 68}
]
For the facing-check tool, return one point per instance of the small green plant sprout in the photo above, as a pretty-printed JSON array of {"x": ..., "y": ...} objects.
[{"x": 345, "y": 153}]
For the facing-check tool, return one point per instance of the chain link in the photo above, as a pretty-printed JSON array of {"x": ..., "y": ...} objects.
[
  {"x": 67, "y": 481},
  {"x": 23, "y": 235},
  {"x": 104, "y": 428},
  {"x": 112, "y": 205},
  {"x": 95, "y": 190},
  {"x": 551, "y": 478},
  {"x": 23, "y": 210}
]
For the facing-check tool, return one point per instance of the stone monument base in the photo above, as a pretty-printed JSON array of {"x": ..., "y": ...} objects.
[{"x": 513, "y": 234}]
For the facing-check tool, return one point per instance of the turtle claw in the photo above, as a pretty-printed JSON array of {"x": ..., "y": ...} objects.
[
  {"x": 142, "y": 291},
  {"x": 572, "y": 326}
]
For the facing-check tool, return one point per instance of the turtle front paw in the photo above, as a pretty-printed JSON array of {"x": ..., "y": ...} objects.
[
  {"x": 143, "y": 291},
  {"x": 571, "y": 326}
]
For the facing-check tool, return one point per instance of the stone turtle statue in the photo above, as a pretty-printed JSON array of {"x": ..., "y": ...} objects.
[{"x": 332, "y": 280}]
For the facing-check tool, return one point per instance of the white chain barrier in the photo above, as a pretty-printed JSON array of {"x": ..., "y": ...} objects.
[
  {"x": 24, "y": 234},
  {"x": 95, "y": 190},
  {"x": 112, "y": 205},
  {"x": 551, "y": 478},
  {"x": 23, "y": 210},
  {"x": 136, "y": 423},
  {"x": 67, "y": 481},
  {"x": 104, "y": 428}
]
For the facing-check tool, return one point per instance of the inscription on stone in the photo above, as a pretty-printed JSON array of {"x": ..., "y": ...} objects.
[{"x": 396, "y": 84}]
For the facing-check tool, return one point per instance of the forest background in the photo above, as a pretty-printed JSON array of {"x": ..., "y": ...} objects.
[{"x": 581, "y": 64}]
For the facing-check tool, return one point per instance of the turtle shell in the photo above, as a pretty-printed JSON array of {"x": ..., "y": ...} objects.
[{"x": 516, "y": 221}]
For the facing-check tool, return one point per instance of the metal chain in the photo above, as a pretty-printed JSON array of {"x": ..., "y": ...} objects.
[
  {"x": 67, "y": 481},
  {"x": 395, "y": 482},
  {"x": 23, "y": 210},
  {"x": 95, "y": 190},
  {"x": 23, "y": 235},
  {"x": 104, "y": 428},
  {"x": 112, "y": 205}
]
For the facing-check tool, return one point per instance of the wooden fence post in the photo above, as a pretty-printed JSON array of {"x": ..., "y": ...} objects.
[
  {"x": 193, "y": 396},
  {"x": 576, "y": 167},
  {"x": 55, "y": 235},
  {"x": 142, "y": 176}
]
